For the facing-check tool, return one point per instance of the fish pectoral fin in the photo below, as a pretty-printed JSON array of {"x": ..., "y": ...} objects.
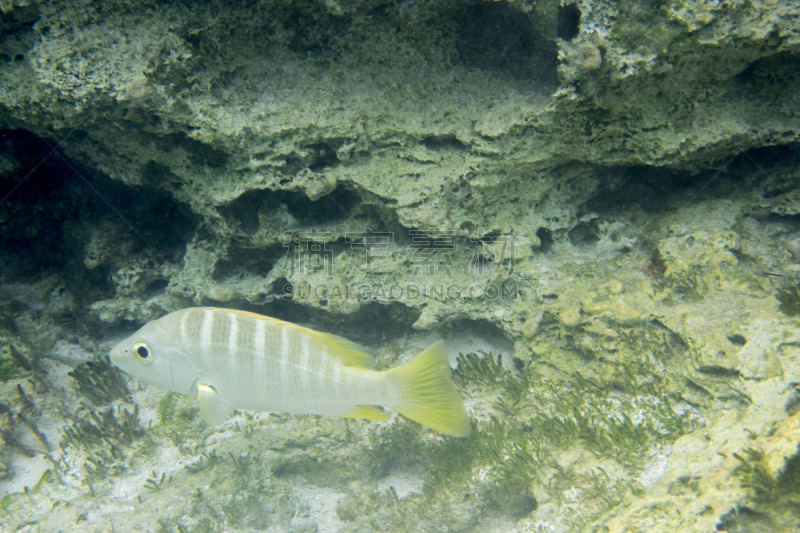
[
  {"x": 368, "y": 412},
  {"x": 213, "y": 409}
]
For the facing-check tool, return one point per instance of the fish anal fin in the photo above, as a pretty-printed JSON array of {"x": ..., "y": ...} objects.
[
  {"x": 213, "y": 409},
  {"x": 367, "y": 412}
]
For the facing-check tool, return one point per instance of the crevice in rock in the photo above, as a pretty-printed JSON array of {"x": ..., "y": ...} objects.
[
  {"x": 653, "y": 189},
  {"x": 769, "y": 73},
  {"x": 569, "y": 21},
  {"x": 240, "y": 262},
  {"x": 479, "y": 329},
  {"x": 324, "y": 155},
  {"x": 52, "y": 207},
  {"x": 444, "y": 143},
  {"x": 498, "y": 36},
  {"x": 200, "y": 153},
  {"x": 334, "y": 206}
]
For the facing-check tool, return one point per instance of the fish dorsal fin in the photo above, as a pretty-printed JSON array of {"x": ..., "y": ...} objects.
[
  {"x": 213, "y": 409},
  {"x": 346, "y": 351}
]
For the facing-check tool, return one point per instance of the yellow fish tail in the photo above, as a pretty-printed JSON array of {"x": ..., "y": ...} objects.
[{"x": 427, "y": 394}]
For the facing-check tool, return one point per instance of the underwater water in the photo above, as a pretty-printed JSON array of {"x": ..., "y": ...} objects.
[{"x": 233, "y": 235}]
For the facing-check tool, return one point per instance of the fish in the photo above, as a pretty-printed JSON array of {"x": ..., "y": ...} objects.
[{"x": 230, "y": 359}]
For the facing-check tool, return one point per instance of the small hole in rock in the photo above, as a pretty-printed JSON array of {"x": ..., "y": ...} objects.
[
  {"x": 569, "y": 21},
  {"x": 737, "y": 339},
  {"x": 545, "y": 238}
]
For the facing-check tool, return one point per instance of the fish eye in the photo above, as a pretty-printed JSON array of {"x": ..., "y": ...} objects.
[{"x": 142, "y": 352}]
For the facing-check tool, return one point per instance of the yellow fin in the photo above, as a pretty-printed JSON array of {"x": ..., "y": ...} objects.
[
  {"x": 213, "y": 409},
  {"x": 261, "y": 317},
  {"x": 427, "y": 394},
  {"x": 348, "y": 352},
  {"x": 368, "y": 412}
]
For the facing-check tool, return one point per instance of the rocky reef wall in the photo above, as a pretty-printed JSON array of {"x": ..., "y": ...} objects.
[{"x": 602, "y": 193}]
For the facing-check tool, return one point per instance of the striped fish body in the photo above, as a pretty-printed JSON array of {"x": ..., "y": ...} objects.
[
  {"x": 270, "y": 365},
  {"x": 231, "y": 359}
]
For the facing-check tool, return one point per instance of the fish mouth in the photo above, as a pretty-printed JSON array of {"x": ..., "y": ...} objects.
[
  {"x": 116, "y": 354},
  {"x": 114, "y": 357},
  {"x": 112, "y": 360}
]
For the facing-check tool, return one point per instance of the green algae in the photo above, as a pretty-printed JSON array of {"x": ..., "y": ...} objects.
[
  {"x": 176, "y": 411},
  {"x": 772, "y": 498},
  {"x": 13, "y": 364},
  {"x": 167, "y": 407},
  {"x": 10, "y": 369},
  {"x": 519, "y": 450},
  {"x": 107, "y": 439},
  {"x": 100, "y": 383},
  {"x": 790, "y": 300}
]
